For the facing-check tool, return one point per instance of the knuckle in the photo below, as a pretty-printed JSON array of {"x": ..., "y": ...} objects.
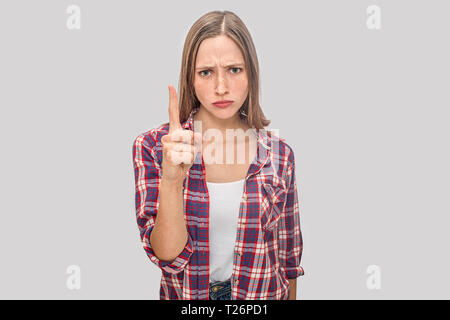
[{"x": 177, "y": 146}]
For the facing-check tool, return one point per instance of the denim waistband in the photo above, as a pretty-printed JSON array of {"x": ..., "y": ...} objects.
[{"x": 220, "y": 290}]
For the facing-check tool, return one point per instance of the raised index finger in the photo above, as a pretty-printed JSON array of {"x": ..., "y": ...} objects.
[{"x": 174, "y": 113}]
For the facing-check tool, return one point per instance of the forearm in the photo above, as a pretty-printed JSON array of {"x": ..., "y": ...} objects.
[
  {"x": 292, "y": 289},
  {"x": 169, "y": 235}
]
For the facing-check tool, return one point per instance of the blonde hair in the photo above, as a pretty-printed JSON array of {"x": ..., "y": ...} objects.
[{"x": 212, "y": 24}]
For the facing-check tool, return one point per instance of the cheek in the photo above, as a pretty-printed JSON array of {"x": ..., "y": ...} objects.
[
  {"x": 199, "y": 88},
  {"x": 241, "y": 85}
]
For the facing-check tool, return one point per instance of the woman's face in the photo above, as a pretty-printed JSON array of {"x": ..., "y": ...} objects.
[{"x": 220, "y": 74}]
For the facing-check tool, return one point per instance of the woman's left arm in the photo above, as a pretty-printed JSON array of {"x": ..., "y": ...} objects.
[
  {"x": 292, "y": 289},
  {"x": 290, "y": 241}
]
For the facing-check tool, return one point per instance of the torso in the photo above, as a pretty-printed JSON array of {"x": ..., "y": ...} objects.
[{"x": 224, "y": 172}]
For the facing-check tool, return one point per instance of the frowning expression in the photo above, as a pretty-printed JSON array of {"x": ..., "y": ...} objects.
[{"x": 220, "y": 74}]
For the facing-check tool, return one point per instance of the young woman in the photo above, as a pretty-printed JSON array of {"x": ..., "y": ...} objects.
[{"x": 218, "y": 229}]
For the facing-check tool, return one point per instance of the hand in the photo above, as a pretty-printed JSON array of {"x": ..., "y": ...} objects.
[{"x": 180, "y": 146}]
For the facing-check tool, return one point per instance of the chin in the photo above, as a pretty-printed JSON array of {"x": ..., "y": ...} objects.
[{"x": 223, "y": 114}]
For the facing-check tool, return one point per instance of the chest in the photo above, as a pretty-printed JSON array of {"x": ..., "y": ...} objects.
[{"x": 230, "y": 161}]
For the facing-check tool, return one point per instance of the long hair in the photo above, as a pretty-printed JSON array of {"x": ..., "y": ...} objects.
[{"x": 212, "y": 24}]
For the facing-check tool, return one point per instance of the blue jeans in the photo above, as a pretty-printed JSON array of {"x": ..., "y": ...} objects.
[{"x": 220, "y": 290}]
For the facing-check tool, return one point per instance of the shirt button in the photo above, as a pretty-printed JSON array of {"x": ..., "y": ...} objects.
[
  {"x": 245, "y": 197},
  {"x": 236, "y": 281}
]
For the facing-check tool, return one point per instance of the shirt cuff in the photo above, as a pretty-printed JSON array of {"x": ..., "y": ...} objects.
[
  {"x": 293, "y": 273},
  {"x": 179, "y": 263}
]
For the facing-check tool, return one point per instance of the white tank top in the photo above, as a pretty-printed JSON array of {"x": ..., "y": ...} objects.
[{"x": 225, "y": 200}]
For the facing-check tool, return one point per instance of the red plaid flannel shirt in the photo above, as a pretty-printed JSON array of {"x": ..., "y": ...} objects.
[{"x": 269, "y": 242}]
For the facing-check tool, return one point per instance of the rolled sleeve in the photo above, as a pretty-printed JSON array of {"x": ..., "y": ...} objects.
[
  {"x": 147, "y": 179},
  {"x": 175, "y": 266},
  {"x": 290, "y": 239}
]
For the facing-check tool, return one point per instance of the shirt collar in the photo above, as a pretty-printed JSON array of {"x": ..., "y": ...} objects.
[{"x": 263, "y": 145}]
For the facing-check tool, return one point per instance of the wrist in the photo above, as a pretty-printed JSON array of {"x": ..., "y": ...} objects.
[{"x": 171, "y": 184}]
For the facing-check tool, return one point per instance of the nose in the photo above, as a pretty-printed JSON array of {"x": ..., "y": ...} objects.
[{"x": 221, "y": 86}]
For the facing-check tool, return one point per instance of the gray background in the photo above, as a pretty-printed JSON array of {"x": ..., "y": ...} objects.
[{"x": 366, "y": 112}]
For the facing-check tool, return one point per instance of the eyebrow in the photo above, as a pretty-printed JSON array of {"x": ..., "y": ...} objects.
[{"x": 228, "y": 65}]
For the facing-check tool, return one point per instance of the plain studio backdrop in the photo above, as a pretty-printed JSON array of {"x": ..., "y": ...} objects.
[{"x": 365, "y": 110}]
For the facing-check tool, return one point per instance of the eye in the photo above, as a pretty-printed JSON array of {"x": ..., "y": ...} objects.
[
  {"x": 240, "y": 69},
  {"x": 233, "y": 68},
  {"x": 201, "y": 73}
]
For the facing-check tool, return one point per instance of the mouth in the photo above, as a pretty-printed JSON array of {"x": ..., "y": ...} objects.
[{"x": 223, "y": 104}]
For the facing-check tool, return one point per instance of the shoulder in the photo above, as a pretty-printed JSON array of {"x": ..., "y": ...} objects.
[
  {"x": 150, "y": 140},
  {"x": 281, "y": 147},
  {"x": 152, "y": 137},
  {"x": 282, "y": 155}
]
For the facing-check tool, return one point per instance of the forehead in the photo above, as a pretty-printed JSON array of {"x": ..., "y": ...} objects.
[{"x": 220, "y": 49}]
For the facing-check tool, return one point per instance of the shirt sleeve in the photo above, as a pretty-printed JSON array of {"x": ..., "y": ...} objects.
[
  {"x": 289, "y": 235},
  {"x": 147, "y": 173}
]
